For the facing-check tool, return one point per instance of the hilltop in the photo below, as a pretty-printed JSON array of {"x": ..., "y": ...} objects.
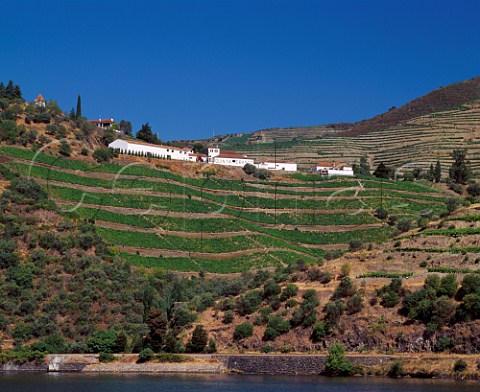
[{"x": 415, "y": 135}]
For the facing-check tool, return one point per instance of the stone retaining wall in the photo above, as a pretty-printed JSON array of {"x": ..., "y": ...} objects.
[
  {"x": 289, "y": 364},
  {"x": 154, "y": 368}
]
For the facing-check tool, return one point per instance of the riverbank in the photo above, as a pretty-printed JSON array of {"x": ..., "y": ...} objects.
[{"x": 401, "y": 365}]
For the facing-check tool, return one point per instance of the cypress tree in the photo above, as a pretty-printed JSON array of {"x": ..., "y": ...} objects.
[
  {"x": 438, "y": 171},
  {"x": 431, "y": 173},
  {"x": 79, "y": 107}
]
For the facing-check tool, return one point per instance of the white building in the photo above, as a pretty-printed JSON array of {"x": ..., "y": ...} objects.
[
  {"x": 228, "y": 158},
  {"x": 333, "y": 169},
  {"x": 103, "y": 123},
  {"x": 39, "y": 101},
  {"x": 155, "y": 150},
  {"x": 277, "y": 165}
]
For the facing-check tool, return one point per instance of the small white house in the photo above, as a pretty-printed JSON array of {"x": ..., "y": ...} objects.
[
  {"x": 39, "y": 101},
  {"x": 103, "y": 123},
  {"x": 277, "y": 165},
  {"x": 228, "y": 158},
  {"x": 155, "y": 150},
  {"x": 333, "y": 169}
]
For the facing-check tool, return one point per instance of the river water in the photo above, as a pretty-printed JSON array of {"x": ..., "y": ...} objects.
[{"x": 51, "y": 382}]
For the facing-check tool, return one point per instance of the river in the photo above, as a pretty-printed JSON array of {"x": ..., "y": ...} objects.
[{"x": 55, "y": 382}]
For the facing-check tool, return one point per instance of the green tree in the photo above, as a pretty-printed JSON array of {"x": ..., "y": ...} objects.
[
  {"x": 78, "y": 113},
  {"x": 146, "y": 134},
  {"x": 460, "y": 171},
  {"x": 199, "y": 339},
  {"x": 101, "y": 342},
  {"x": 65, "y": 148},
  {"x": 157, "y": 325},
  {"x": 438, "y": 172},
  {"x": 126, "y": 127},
  {"x": 336, "y": 364},
  {"x": 431, "y": 173},
  {"x": 383, "y": 171},
  {"x": 363, "y": 168},
  {"x": 243, "y": 331}
]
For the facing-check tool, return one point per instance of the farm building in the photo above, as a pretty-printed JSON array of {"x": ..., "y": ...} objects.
[
  {"x": 155, "y": 150},
  {"x": 228, "y": 158},
  {"x": 39, "y": 101},
  {"x": 333, "y": 169},
  {"x": 277, "y": 165}
]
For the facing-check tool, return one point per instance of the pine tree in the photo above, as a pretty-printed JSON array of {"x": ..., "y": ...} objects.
[
  {"x": 78, "y": 114},
  {"x": 72, "y": 114},
  {"x": 438, "y": 172}
]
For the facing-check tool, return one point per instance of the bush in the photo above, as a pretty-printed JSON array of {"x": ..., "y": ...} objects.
[
  {"x": 473, "y": 190},
  {"x": 355, "y": 245},
  {"x": 271, "y": 288},
  {"x": 289, "y": 291},
  {"x": 145, "y": 355},
  {"x": 106, "y": 357},
  {"x": 336, "y": 364},
  {"x": 102, "y": 341},
  {"x": 452, "y": 204},
  {"x": 228, "y": 317},
  {"x": 396, "y": 369},
  {"x": 460, "y": 366},
  {"x": 318, "y": 332},
  {"x": 243, "y": 331},
  {"x": 381, "y": 213},
  {"x": 404, "y": 225},
  {"x": 345, "y": 289},
  {"x": 103, "y": 155},
  {"x": 276, "y": 326},
  {"x": 354, "y": 304}
]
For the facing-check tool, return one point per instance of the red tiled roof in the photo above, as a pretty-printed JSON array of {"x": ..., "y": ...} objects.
[
  {"x": 39, "y": 98},
  {"x": 104, "y": 121},
  {"x": 327, "y": 164},
  {"x": 231, "y": 154}
]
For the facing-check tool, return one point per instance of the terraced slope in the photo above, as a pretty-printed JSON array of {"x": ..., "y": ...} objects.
[
  {"x": 160, "y": 219},
  {"x": 415, "y": 143}
]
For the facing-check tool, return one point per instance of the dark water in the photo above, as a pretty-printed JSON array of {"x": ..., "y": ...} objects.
[{"x": 220, "y": 383}]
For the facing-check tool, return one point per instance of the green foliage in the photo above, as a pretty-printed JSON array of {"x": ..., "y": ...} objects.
[
  {"x": 336, "y": 364},
  {"x": 106, "y": 357},
  {"x": 381, "y": 213},
  {"x": 404, "y": 225},
  {"x": 346, "y": 288},
  {"x": 199, "y": 340},
  {"x": 276, "y": 326},
  {"x": 145, "y": 355},
  {"x": 103, "y": 155},
  {"x": 289, "y": 291},
  {"x": 243, "y": 331},
  {"x": 248, "y": 303},
  {"x": 271, "y": 288},
  {"x": 146, "y": 134},
  {"x": 460, "y": 171},
  {"x": 319, "y": 332},
  {"x": 102, "y": 341}
]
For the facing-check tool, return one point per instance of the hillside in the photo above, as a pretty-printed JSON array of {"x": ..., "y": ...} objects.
[
  {"x": 414, "y": 136},
  {"x": 162, "y": 219}
]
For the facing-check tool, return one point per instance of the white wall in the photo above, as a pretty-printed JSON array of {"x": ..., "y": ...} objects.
[
  {"x": 278, "y": 166},
  {"x": 232, "y": 161},
  {"x": 160, "y": 151}
]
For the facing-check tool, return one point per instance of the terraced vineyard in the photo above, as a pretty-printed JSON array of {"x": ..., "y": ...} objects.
[
  {"x": 159, "y": 219},
  {"x": 415, "y": 143}
]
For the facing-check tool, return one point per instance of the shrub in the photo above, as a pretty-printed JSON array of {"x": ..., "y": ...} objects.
[
  {"x": 336, "y": 364},
  {"x": 271, "y": 288},
  {"x": 404, "y": 225},
  {"x": 396, "y": 369},
  {"x": 101, "y": 341},
  {"x": 103, "y": 155},
  {"x": 354, "y": 304},
  {"x": 452, "y": 204},
  {"x": 460, "y": 366},
  {"x": 355, "y": 245},
  {"x": 289, "y": 291},
  {"x": 228, "y": 317},
  {"x": 243, "y": 331},
  {"x": 106, "y": 357},
  {"x": 249, "y": 169},
  {"x": 318, "y": 332},
  {"x": 145, "y": 355},
  {"x": 345, "y": 288},
  {"x": 276, "y": 326},
  {"x": 381, "y": 213},
  {"x": 248, "y": 303},
  {"x": 473, "y": 190}
]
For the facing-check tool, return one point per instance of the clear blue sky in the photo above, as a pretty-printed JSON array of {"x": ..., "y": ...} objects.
[{"x": 193, "y": 67}]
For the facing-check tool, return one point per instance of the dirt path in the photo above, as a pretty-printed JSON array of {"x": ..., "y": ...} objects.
[{"x": 149, "y": 252}]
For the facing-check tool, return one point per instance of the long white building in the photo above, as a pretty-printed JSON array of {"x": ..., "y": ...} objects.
[
  {"x": 277, "y": 165},
  {"x": 228, "y": 158},
  {"x": 155, "y": 150},
  {"x": 333, "y": 169}
]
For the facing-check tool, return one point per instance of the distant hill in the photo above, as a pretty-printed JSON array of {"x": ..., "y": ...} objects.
[{"x": 444, "y": 98}]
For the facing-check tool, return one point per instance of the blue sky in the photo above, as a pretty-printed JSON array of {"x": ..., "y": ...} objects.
[{"x": 191, "y": 68}]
